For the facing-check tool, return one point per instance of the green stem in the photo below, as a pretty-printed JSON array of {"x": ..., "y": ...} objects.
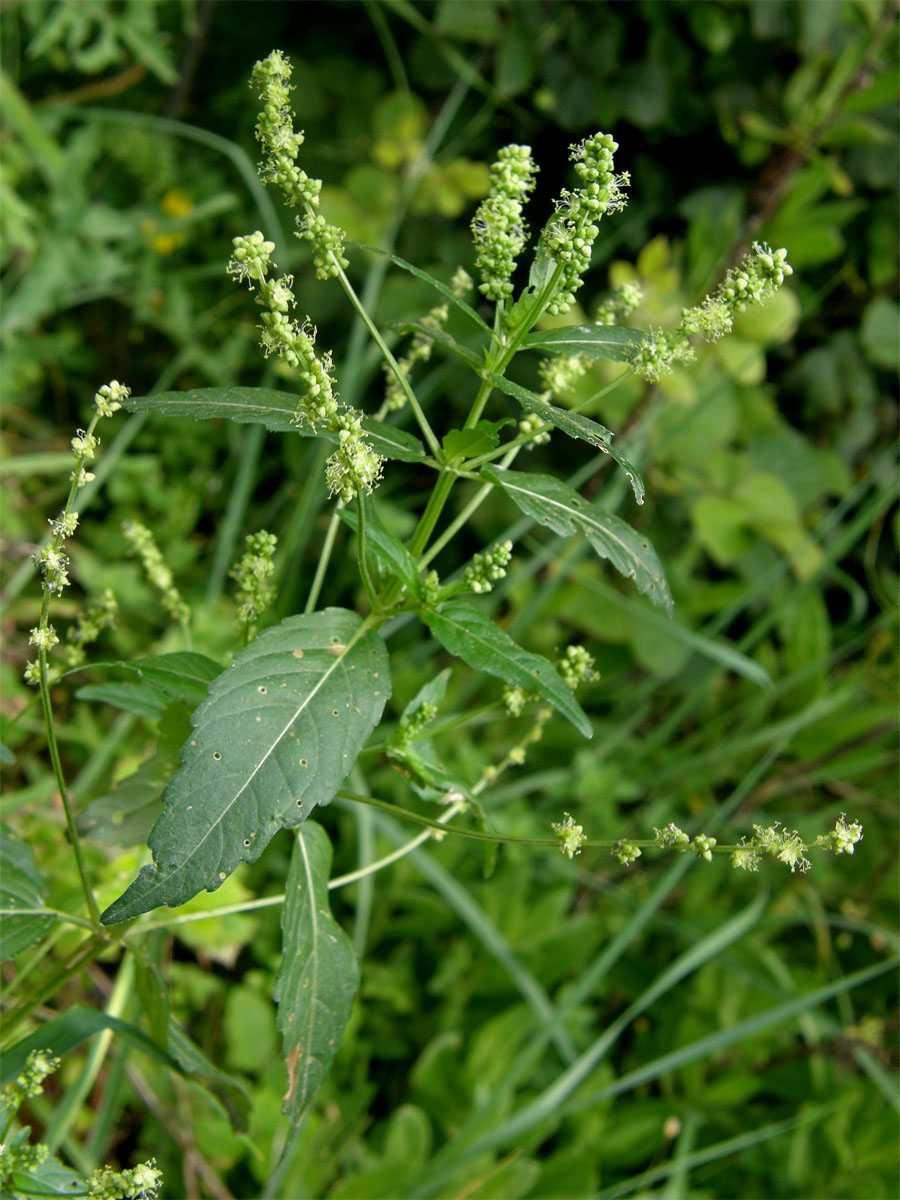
[
  {"x": 427, "y": 432},
  {"x": 460, "y": 520},
  {"x": 322, "y": 565},
  {"x": 93, "y": 910}
]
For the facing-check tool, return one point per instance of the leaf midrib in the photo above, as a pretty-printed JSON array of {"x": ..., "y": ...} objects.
[{"x": 362, "y": 629}]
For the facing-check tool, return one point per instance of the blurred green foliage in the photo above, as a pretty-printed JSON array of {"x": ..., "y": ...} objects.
[{"x": 770, "y": 467}]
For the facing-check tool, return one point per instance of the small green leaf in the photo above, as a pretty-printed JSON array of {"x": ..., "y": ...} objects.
[
  {"x": 318, "y": 976},
  {"x": 612, "y": 342},
  {"x": 277, "y": 735},
  {"x": 21, "y": 886},
  {"x": 469, "y": 443},
  {"x": 553, "y": 503},
  {"x": 571, "y": 423},
  {"x": 466, "y": 632},
  {"x": 389, "y": 552},
  {"x": 446, "y": 292},
  {"x": 276, "y": 410}
]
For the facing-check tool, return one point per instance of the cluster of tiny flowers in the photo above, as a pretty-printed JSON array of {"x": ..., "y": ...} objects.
[
  {"x": 842, "y": 839},
  {"x": 281, "y": 144},
  {"x": 30, "y": 1080},
  {"x": 760, "y": 274},
  {"x": 253, "y": 575},
  {"x": 673, "y": 838},
  {"x": 412, "y": 724},
  {"x": 571, "y": 836},
  {"x": 157, "y": 571},
  {"x": 354, "y": 466},
  {"x": 561, "y": 372},
  {"x": 626, "y": 852},
  {"x": 134, "y": 1183},
  {"x": 785, "y": 845},
  {"x": 576, "y": 666},
  {"x": 515, "y": 699},
  {"x": 50, "y": 560},
  {"x": 487, "y": 568},
  {"x": 98, "y": 614},
  {"x": 498, "y": 229},
  {"x": 535, "y": 430},
  {"x": 430, "y": 588},
  {"x": 620, "y": 305},
  {"x": 569, "y": 236}
]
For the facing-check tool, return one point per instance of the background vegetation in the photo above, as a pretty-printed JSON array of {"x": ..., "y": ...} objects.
[{"x": 770, "y": 464}]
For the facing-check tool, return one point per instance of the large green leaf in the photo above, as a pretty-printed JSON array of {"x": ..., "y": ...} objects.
[
  {"x": 21, "y": 886},
  {"x": 571, "y": 423},
  {"x": 276, "y": 410},
  {"x": 553, "y": 503},
  {"x": 318, "y": 976},
  {"x": 612, "y": 342},
  {"x": 466, "y": 632},
  {"x": 279, "y": 732}
]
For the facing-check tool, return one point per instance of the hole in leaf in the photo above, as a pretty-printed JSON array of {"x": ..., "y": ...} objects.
[{"x": 216, "y": 755}]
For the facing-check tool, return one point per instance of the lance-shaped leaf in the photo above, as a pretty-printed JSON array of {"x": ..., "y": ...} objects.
[
  {"x": 277, "y": 735},
  {"x": 553, "y": 503},
  {"x": 612, "y": 342},
  {"x": 276, "y": 410},
  {"x": 571, "y": 423},
  {"x": 441, "y": 338},
  {"x": 318, "y": 976},
  {"x": 446, "y": 291},
  {"x": 466, "y": 632}
]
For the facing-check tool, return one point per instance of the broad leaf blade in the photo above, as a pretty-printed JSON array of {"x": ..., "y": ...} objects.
[
  {"x": 21, "y": 886},
  {"x": 184, "y": 675},
  {"x": 279, "y": 732},
  {"x": 318, "y": 976},
  {"x": 612, "y": 342},
  {"x": 571, "y": 423},
  {"x": 276, "y": 410},
  {"x": 553, "y": 503},
  {"x": 466, "y": 632}
]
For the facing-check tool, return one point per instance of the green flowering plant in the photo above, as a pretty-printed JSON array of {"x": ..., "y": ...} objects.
[{"x": 277, "y": 732}]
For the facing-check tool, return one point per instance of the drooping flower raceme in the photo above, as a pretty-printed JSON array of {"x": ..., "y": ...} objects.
[
  {"x": 355, "y": 466},
  {"x": 758, "y": 276},
  {"x": 281, "y": 144},
  {"x": 498, "y": 230}
]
